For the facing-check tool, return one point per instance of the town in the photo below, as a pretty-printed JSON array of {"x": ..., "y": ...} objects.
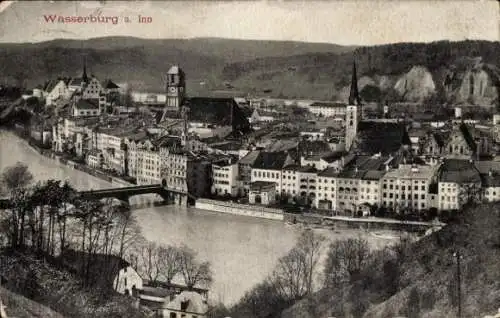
[
  {"x": 352, "y": 161},
  {"x": 347, "y": 158}
]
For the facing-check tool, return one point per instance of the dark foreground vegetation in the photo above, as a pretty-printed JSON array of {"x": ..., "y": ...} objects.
[{"x": 408, "y": 279}]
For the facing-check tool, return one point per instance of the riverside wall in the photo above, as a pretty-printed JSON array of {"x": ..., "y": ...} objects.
[{"x": 240, "y": 209}]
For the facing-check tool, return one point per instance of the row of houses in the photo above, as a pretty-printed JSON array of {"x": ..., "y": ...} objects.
[{"x": 360, "y": 183}]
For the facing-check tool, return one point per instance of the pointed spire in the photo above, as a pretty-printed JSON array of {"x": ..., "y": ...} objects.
[
  {"x": 354, "y": 94},
  {"x": 84, "y": 75}
]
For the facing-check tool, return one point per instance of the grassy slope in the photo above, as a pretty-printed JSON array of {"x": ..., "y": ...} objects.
[
  {"x": 21, "y": 307},
  {"x": 426, "y": 285}
]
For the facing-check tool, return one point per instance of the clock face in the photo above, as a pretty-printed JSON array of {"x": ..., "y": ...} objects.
[{"x": 172, "y": 89}]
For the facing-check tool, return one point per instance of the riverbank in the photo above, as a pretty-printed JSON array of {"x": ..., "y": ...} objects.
[{"x": 367, "y": 224}]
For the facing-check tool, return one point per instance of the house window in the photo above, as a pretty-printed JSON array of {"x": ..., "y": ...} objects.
[{"x": 173, "y": 315}]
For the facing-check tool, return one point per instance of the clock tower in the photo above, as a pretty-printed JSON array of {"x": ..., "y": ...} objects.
[{"x": 176, "y": 87}]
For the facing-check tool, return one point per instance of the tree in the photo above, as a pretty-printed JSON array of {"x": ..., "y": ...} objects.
[
  {"x": 150, "y": 262},
  {"x": 194, "y": 272},
  {"x": 345, "y": 261},
  {"x": 294, "y": 273},
  {"x": 169, "y": 262},
  {"x": 15, "y": 180}
]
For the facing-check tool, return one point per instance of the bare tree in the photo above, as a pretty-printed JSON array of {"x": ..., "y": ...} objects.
[
  {"x": 194, "y": 273},
  {"x": 149, "y": 262},
  {"x": 346, "y": 259},
  {"x": 169, "y": 261},
  {"x": 288, "y": 276},
  {"x": 15, "y": 180},
  {"x": 294, "y": 273}
]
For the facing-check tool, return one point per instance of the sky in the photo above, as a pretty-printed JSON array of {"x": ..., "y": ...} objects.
[{"x": 341, "y": 22}]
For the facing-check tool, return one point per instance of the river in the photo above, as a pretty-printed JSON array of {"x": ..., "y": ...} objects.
[{"x": 242, "y": 250}]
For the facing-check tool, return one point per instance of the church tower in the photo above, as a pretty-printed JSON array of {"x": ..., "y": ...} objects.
[
  {"x": 85, "y": 78},
  {"x": 353, "y": 111}
]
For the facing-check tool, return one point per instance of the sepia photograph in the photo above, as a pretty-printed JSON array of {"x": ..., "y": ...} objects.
[{"x": 250, "y": 159}]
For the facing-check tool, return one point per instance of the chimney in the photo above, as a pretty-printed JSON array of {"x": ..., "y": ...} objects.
[{"x": 490, "y": 173}]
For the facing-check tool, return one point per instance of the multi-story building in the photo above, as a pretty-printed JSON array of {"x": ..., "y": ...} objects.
[
  {"x": 290, "y": 181},
  {"x": 360, "y": 177},
  {"x": 326, "y": 192},
  {"x": 459, "y": 182},
  {"x": 225, "y": 180},
  {"x": 245, "y": 169},
  {"x": 328, "y": 109},
  {"x": 460, "y": 143},
  {"x": 148, "y": 167},
  {"x": 185, "y": 171},
  {"x": 407, "y": 187},
  {"x": 268, "y": 167},
  {"x": 491, "y": 186}
]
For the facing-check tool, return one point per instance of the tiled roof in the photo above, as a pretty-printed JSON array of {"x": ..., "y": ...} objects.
[
  {"x": 329, "y": 172},
  {"x": 250, "y": 158},
  {"x": 360, "y": 165},
  {"x": 87, "y": 104},
  {"x": 380, "y": 137},
  {"x": 270, "y": 160},
  {"x": 219, "y": 112},
  {"x": 458, "y": 171}
]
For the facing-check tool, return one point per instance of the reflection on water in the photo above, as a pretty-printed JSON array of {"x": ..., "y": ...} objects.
[{"x": 242, "y": 250}]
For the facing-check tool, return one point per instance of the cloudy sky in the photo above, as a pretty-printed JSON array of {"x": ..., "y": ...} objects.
[{"x": 342, "y": 22}]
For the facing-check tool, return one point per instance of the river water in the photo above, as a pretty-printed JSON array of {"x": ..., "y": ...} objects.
[{"x": 242, "y": 250}]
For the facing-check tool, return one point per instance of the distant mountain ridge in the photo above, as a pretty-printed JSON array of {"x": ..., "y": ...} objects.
[{"x": 271, "y": 68}]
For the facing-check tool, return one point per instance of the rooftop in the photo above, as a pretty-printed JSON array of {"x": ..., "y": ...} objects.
[
  {"x": 380, "y": 137},
  {"x": 271, "y": 160},
  {"x": 411, "y": 172},
  {"x": 187, "y": 301},
  {"x": 250, "y": 158},
  {"x": 328, "y": 104},
  {"x": 329, "y": 172},
  {"x": 458, "y": 171},
  {"x": 87, "y": 104}
]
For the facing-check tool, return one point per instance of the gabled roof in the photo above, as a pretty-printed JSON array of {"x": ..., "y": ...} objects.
[
  {"x": 50, "y": 85},
  {"x": 328, "y": 104},
  {"x": 333, "y": 156},
  {"x": 380, "y": 137},
  {"x": 109, "y": 84},
  {"x": 270, "y": 160}
]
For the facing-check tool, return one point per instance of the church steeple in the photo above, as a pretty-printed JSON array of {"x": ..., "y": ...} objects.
[
  {"x": 84, "y": 75},
  {"x": 354, "y": 98}
]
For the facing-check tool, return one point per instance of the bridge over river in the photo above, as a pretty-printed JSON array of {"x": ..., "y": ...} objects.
[{"x": 125, "y": 193}]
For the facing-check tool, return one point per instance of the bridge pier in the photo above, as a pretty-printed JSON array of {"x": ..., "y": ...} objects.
[{"x": 180, "y": 199}]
